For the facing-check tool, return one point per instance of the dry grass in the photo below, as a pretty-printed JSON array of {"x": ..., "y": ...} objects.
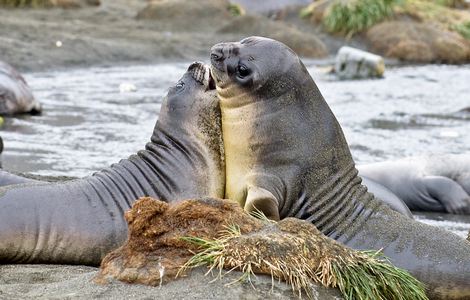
[{"x": 299, "y": 254}]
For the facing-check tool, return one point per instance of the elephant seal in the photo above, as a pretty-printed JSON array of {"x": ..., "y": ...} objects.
[
  {"x": 80, "y": 221},
  {"x": 15, "y": 95},
  {"x": 386, "y": 196},
  {"x": 286, "y": 155},
  {"x": 438, "y": 183}
]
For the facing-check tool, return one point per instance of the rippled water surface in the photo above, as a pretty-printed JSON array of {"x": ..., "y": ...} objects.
[{"x": 88, "y": 123}]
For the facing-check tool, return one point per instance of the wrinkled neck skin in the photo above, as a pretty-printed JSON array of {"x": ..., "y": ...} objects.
[
  {"x": 190, "y": 152},
  {"x": 80, "y": 221},
  {"x": 295, "y": 149}
]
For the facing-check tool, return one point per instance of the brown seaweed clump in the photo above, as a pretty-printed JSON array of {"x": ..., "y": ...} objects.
[{"x": 167, "y": 239}]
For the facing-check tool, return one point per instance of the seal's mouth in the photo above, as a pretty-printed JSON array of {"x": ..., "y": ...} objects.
[{"x": 202, "y": 74}]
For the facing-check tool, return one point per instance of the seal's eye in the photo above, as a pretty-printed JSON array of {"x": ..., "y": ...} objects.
[
  {"x": 179, "y": 86},
  {"x": 243, "y": 70}
]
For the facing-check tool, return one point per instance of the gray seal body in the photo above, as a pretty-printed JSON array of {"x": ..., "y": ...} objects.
[
  {"x": 287, "y": 156},
  {"x": 15, "y": 94},
  {"x": 438, "y": 183},
  {"x": 80, "y": 221}
]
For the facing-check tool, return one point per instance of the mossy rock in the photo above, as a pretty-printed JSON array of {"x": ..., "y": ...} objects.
[
  {"x": 304, "y": 44},
  {"x": 418, "y": 42},
  {"x": 169, "y": 239}
]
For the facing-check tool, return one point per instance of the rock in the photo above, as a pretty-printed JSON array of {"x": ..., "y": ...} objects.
[
  {"x": 187, "y": 15},
  {"x": 352, "y": 63},
  {"x": 418, "y": 42},
  {"x": 74, "y": 3},
  {"x": 302, "y": 43}
]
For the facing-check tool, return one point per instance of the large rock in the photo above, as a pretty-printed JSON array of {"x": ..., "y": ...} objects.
[
  {"x": 352, "y": 63},
  {"x": 302, "y": 43},
  {"x": 418, "y": 42}
]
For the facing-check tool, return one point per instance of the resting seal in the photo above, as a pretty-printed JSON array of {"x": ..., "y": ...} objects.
[
  {"x": 287, "y": 156},
  {"x": 15, "y": 95},
  {"x": 80, "y": 221},
  {"x": 439, "y": 183},
  {"x": 386, "y": 196}
]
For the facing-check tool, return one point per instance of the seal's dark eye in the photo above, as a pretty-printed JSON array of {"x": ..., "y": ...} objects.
[
  {"x": 243, "y": 70},
  {"x": 179, "y": 86}
]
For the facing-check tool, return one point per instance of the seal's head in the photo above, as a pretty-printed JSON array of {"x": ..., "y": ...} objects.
[
  {"x": 190, "y": 99},
  {"x": 255, "y": 65}
]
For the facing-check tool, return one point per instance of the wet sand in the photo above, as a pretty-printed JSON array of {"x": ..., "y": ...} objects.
[{"x": 76, "y": 282}]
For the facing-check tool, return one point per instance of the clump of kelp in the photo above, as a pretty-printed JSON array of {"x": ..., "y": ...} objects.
[
  {"x": 166, "y": 240},
  {"x": 349, "y": 17}
]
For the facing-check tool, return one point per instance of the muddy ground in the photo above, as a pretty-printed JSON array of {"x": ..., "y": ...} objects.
[{"x": 41, "y": 39}]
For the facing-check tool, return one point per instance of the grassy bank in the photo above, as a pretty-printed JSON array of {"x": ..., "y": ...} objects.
[{"x": 355, "y": 16}]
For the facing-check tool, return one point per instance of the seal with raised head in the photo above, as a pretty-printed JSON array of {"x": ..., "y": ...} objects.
[
  {"x": 80, "y": 221},
  {"x": 438, "y": 183},
  {"x": 287, "y": 156},
  {"x": 15, "y": 95}
]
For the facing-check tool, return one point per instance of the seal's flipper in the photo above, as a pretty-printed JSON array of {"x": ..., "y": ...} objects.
[
  {"x": 263, "y": 200},
  {"x": 452, "y": 196}
]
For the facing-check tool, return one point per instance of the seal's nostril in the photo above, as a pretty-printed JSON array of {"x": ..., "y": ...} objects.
[{"x": 215, "y": 56}]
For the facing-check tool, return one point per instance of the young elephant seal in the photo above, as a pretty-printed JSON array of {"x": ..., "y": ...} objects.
[
  {"x": 439, "y": 183},
  {"x": 15, "y": 94},
  {"x": 80, "y": 221},
  {"x": 286, "y": 155}
]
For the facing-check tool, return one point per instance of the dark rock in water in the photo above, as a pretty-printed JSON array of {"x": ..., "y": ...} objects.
[
  {"x": 15, "y": 95},
  {"x": 74, "y": 3},
  {"x": 418, "y": 42},
  {"x": 304, "y": 44}
]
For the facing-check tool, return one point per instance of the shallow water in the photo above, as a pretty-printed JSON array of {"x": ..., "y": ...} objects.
[{"x": 88, "y": 123}]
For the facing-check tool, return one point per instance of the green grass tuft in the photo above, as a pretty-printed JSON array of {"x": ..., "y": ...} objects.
[
  {"x": 350, "y": 17},
  {"x": 236, "y": 10},
  {"x": 463, "y": 29},
  {"x": 375, "y": 278}
]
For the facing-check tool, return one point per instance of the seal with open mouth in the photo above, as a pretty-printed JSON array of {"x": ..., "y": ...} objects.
[{"x": 80, "y": 221}]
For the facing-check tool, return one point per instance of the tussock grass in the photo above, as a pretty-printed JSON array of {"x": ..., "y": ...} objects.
[
  {"x": 236, "y": 10},
  {"x": 300, "y": 260},
  {"x": 463, "y": 29},
  {"x": 25, "y": 3},
  {"x": 350, "y": 17}
]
